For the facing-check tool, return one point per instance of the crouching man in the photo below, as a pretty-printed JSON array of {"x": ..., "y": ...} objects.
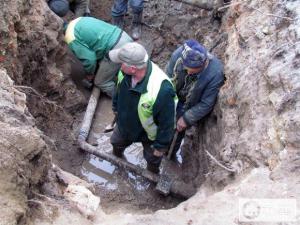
[
  {"x": 198, "y": 77},
  {"x": 90, "y": 40}
]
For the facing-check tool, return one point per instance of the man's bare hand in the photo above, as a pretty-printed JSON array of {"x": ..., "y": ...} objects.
[
  {"x": 90, "y": 77},
  {"x": 157, "y": 153},
  {"x": 181, "y": 125}
]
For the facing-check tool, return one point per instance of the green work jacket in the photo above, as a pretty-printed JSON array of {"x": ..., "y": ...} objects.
[{"x": 90, "y": 40}]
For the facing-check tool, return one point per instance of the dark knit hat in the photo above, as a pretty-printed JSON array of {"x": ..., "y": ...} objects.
[
  {"x": 194, "y": 54},
  {"x": 59, "y": 7}
]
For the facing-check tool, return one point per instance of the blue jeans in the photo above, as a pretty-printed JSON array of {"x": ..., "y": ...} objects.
[{"x": 120, "y": 7}]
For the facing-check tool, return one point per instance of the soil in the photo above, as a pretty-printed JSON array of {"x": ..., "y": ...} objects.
[
  {"x": 164, "y": 28},
  {"x": 254, "y": 127},
  {"x": 119, "y": 190}
]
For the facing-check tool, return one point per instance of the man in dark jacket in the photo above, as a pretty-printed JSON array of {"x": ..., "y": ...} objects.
[
  {"x": 198, "y": 77},
  {"x": 145, "y": 105}
]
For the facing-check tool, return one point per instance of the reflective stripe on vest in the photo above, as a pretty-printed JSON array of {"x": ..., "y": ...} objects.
[
  {"x": 70, "y": 36},
  {"x": 147, "y": 100}
]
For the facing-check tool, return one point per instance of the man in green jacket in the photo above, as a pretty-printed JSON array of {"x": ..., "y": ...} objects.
[
  {"x": 90, "y": 40},
  {"x": 78, "y": 7},
  {"x": 144, "y": 103}
]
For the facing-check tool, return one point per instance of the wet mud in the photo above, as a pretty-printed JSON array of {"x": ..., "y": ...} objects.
[{"x": 119, "y": 189}]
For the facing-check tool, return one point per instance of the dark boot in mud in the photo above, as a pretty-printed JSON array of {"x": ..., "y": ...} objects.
[
  {"x": 118, "y": 21},
  {"x": 118, "y": 152},
  {"x": 137, "y": 25},
  {"x": 154, "y": 168}
]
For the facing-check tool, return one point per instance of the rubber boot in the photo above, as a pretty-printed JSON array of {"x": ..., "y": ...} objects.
[
  {"x": 137, "y": 25},
  {"x": 118, "y": 152},
  {"x": 118, "y": 21},
  {"x": 154, "y": 168}
]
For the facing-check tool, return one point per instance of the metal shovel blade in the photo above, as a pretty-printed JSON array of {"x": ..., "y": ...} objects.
[
  {"x": 169, "y": 173},
  {"x": 164, "y": 185}
]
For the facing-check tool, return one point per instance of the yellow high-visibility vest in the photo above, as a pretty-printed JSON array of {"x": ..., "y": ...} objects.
[{"x": 147, "y": 100}]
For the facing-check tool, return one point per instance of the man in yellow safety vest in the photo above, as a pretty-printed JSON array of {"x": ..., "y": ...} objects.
[{"x": 144, "y": 102}]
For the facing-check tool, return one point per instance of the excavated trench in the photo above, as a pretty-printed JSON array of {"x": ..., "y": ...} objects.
[
  {"x": 117, "y": 188},
  {"x": 253, "y": 128},
  {"x": 163, "y": 30}
]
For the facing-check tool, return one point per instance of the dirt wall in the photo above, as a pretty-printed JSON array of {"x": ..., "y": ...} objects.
[
  {"x": 258, "y": 108},
  {"x": 32, "y": 63},
  {"x": 24, "y": 155}
]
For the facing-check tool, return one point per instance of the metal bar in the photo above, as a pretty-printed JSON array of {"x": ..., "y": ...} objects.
[
  {"x": 203, "y": 4},
  {"x": 119, "y": 161}
]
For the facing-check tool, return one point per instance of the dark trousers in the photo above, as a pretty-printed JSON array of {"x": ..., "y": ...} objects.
[
  {"x": 120, "y": 144},
  {"x": 120, "y": 7}
]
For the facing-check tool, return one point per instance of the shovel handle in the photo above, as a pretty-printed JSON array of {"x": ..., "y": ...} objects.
[{"x": 172, "y": 145}]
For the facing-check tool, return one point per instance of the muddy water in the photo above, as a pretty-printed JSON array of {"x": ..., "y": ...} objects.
[
  {"x": 119, "y": 189},
  {"x": 100, "y": 171}
]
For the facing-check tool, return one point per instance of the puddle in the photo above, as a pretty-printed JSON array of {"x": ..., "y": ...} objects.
[
  {"x": 100, "y": 172},
  {"x": 104, "y": 173},
  {"x": 119, "y": 188}
]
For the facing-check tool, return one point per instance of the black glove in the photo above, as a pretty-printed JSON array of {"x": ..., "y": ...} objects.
[
  {"x": 87, "y": 14},
  {"x": 88, "y": 84}
]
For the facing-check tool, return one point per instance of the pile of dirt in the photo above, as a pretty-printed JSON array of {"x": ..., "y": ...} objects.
[{"x": 31, "y": 54}]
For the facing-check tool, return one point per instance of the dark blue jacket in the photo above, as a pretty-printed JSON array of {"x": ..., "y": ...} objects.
[
  {"x": 204, "y": 92},
  {"x": 125, "y": 103}
]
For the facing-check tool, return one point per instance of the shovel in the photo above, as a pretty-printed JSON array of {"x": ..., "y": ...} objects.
[{"x": 169, "y": 170}]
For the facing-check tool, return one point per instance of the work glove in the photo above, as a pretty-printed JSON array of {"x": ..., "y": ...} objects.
[
  {"x": 158, "y": 153},
  {"x": 86, "y": 14},
  {"x": 88, "y": 84}
]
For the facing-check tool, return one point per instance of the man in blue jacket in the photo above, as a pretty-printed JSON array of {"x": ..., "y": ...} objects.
[{"x": 198, "y": 77}]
